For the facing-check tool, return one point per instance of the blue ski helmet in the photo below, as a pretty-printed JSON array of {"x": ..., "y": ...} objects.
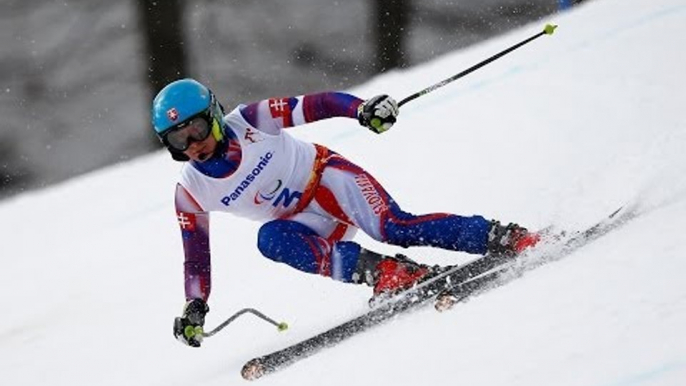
[{"x": 178, "y": 103}]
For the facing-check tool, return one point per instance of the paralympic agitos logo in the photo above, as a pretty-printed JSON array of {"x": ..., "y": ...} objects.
[
  {"x": 261, "y": 197},
  {"x": 286, "y": 195}
]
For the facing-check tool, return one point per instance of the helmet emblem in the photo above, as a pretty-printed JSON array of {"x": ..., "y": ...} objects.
[{"x": 173, "y": 114}]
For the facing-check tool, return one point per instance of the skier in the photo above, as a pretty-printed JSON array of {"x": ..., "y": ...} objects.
[{"x": 311, "y": 199}]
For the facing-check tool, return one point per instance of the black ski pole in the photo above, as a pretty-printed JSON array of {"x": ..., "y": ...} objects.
[{"x": 548, "y": 30}]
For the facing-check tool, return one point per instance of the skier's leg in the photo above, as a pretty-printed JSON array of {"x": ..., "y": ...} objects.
[
  {"x": 353, "y": 196},
  {"x": 313, "y": 240},
  {"x": 298, "y": 245},
  {"x": 301, "y": 247}
]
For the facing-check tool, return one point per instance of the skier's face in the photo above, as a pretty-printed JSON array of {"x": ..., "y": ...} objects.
[{"x": 201, "y": 150}]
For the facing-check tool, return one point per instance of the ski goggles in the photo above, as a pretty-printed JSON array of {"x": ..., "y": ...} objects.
[{"x": 194, "y": 130}]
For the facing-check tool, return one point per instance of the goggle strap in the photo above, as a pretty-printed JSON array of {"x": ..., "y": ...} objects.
[{"x": 217, "y": 130}]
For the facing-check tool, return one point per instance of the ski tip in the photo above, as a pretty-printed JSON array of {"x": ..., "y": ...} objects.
[
  {"x": 283, "y": 326},
  {"x": 253, "y": 370},
  {"x": 549, "y": 29},
  {"x": 444, "y": 302}
]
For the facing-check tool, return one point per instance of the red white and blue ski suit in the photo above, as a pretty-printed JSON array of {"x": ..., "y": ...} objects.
[{"x": 311, "y": 199}]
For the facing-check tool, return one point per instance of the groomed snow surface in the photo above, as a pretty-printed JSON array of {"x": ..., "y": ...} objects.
[{"x": 559, "y": 132}]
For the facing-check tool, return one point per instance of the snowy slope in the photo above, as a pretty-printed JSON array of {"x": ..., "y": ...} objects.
[{"x": 561, "y": 131}]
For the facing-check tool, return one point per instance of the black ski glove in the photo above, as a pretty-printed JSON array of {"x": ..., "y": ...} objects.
[
  {"x": 188, "y": 329},
  {"x": 378, "y": 114}
]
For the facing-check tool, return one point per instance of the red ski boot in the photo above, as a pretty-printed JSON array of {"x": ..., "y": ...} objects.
[
  {"x": 390, "y": 275},
  {"x": 395, "y": 274},
  {"x": 510, "y": 240}
]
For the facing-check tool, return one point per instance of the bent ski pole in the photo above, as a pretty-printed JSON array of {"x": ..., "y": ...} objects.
[
  {"x": 280, "y": 326},
  {"x": 548, "y": 30}
]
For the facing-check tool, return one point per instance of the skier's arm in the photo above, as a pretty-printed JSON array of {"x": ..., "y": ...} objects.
[
  {"x": 195, "y": 227},
  {"x": 272, "y": 115}
]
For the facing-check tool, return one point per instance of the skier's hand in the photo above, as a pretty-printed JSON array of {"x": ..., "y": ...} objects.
[
  {"x": 378, "y": 113},
  {"x": 188, "y": 329}
]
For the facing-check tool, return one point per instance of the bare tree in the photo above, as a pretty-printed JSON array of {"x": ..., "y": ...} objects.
[
  {"x": 391, "y": 24},
  {"x": 162, "y": 30}
]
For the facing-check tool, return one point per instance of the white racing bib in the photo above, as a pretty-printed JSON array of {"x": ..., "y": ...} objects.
[{"x": 269, "y": 181}]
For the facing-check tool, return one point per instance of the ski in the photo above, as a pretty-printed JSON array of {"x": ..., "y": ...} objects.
[
  {"x": 459, "y": 282},
  {"x": 462, "y": 291}
]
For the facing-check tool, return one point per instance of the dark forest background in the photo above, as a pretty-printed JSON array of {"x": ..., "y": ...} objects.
[{"x": 78, "y": 75}]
